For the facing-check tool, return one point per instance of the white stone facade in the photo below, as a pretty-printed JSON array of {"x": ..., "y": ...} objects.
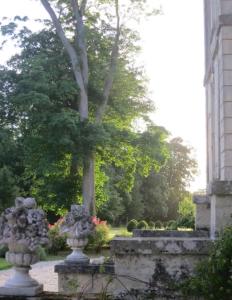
[{"x": 218, "y": 84}]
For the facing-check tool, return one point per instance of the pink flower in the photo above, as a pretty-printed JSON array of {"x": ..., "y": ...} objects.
[{"x": 97, "y": 221}]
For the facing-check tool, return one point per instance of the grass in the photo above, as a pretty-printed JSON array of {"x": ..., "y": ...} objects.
[
  {"x": 119, "y": 231},
  {"x": 4, "y": 264},
  {"x": 51, "y": 257}
]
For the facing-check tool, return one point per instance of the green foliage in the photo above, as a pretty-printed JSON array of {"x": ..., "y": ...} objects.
[
  {"x": 131, "y": 225},
  {"x": 41, "y": 252},
  {"x": 99, "y": 238},
  {"x": 39, "y": 102},
  {"x": 213, "y": 276},
  {"x": 57, "y": 241},
  {"x": 172, "y": 225},
  {"x": 4, "y": 264},
  {"x": 162, "y": 190},
  {"x": 3, "y": 250},
  {"x": 186, "y": 213},
  {"x": 142, "y": 225},
  {"x": 44, "y": 143},
  {"x": 11, "y": 167},
  {"x": 8, "y": 188},
  {"x": 178, "y": 171}
]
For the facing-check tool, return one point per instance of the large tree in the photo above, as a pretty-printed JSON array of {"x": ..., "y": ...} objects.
[
  {"x": 70, "y": 18},
  {"x": 39, "y": 100}
]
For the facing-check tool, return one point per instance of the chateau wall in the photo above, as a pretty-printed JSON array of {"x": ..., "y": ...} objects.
[{"x": 218, "y": 85}]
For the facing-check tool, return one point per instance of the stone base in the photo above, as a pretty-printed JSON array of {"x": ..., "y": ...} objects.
[
  {"x": 221, "y": 213},
  {"x": 21, "y": 291},
  {"x": 88, "y": 279}
]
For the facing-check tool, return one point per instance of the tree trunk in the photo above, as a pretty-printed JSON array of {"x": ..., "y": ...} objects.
[
  {"x": 88, "y": 184},
  {"x": 74, "y": 165}
]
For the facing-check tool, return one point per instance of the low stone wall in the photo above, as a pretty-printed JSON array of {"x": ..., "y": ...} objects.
[
  {"x": 156, "y": 263},
  {"x": 141, "y": 265},
  {"x": 170, "y": 233},
  {"x": 42, "y": 296}
]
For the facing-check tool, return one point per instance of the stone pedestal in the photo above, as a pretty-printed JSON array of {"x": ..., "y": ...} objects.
[
  {"x": 77, "y": 256},
  {"x": 21, "y": 282},
  {"x": 202, "y": 217},
  {"x": 221, "y": 206},
  {"x": 91, "y": 279}
]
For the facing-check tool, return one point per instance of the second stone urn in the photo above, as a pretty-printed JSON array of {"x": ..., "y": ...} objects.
[{"x": 77, "y": 226}]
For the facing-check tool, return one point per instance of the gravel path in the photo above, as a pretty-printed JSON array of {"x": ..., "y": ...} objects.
[{"x": 42, "y": 272}]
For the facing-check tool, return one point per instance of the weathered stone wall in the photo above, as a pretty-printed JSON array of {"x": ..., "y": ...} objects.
[
  {"x": 84, "y": 279},
  {"x": 156, "y": 262}
]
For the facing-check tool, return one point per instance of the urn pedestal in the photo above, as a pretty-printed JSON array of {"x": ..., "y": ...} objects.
[
  {"x": 77, "y": 256},
  {"x": 21, "y": 282}
]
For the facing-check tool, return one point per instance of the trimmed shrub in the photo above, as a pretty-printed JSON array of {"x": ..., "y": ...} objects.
[
  {"x": 186, "y": 222},
  {"x": 131, "y": 225},
  {"x": 99, "y": 238},
  {"x": 172, "y": 225},
  {"x": 142, "y": 225},
  {"x": 151, "y": 224},
  {"x": 158, "y": 224}
]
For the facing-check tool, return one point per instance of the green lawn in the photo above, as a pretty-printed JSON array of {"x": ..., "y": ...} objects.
[
  {"x": 4, "y": 264},
  {"x": 119, "y": 231}
]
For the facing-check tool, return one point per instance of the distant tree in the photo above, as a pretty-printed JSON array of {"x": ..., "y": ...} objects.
[
  {"x": 11, "y": 168},
  {"x": 161, "y": 192},
  {"x": 179, "y": 171}
]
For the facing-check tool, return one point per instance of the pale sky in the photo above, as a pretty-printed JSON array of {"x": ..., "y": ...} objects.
[{"x": 173, "y": 55}]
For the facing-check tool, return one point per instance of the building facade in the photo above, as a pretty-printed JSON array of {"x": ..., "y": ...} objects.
[{"x": 218, "y": 86}]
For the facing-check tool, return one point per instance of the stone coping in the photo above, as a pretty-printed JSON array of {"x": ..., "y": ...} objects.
[
  {"x": 162, "y": 245},
  {"x": 201, "y": 199},
  {"x": 42, "y": 296},
  {"x": 170, "y": 233},
  {"x": 85, "y": 268},
  {"x": 220, "y": 188}
]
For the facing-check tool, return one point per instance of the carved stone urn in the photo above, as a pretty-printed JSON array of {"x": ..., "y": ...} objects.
[
  {"x": 23, "y": 229},
  {"x": 77, "y": 225}
]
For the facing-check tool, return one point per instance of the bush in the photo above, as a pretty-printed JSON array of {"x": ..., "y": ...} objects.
[
  {"x": 100, "y": 237},
  {"x": 186, "y": 212},
  {"x": 41, "y": 252},
  {"x": 142, "y": 225},
  {"x": 158, "y": 224},
  {"x": 186, "y": 222},
  {"x": 131, "y": 225},
  {"x": 213, "y": 276},
  {"x": 57, "y": 241},
  {"x": 172, "y": 225}
]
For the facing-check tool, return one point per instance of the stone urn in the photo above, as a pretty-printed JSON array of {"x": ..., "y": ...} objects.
[
  {"x": 77, "y": 246},
  {"x": 77, "y": 226},
  {"x": 23, "y": 229}
]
